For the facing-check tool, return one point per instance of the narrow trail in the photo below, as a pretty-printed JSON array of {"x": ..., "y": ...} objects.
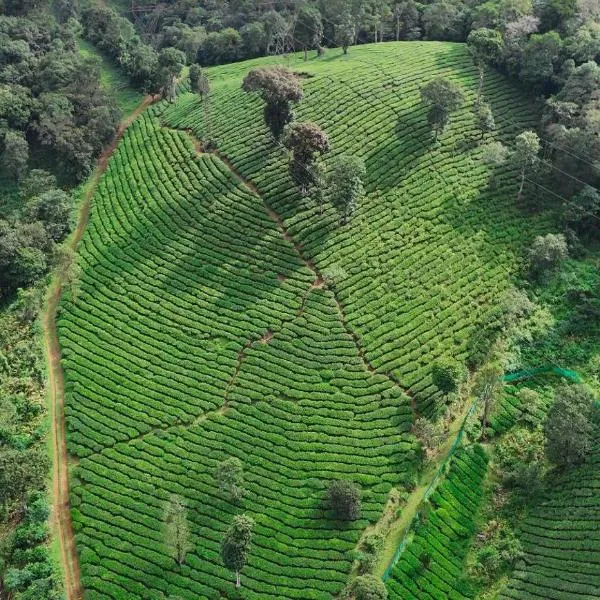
[
  {"x": 60, "y": 473},
  {"x": 319, "y": 279}
]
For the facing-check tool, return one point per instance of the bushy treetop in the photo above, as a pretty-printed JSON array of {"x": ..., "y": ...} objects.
[{"x": 274, "y": 84}]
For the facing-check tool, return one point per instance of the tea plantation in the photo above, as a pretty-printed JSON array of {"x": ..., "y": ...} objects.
[
  {"x": 220, "y": 314},
  {"x": 561, "y": 539}
]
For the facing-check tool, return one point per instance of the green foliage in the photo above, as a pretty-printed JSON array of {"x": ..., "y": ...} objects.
[
  {"x": 308, "y": 29},
  {"x": 15, "y": 154},
  {"x": 569, "y": 428},
  {"x": 443, "y": 97},
  {"x": 235, "y": 546},
  {"x": 199, "y": 81},
  {"x": 230, "y": 478},
  {"x": 305, "y": 141},
  {"x": 486, "y": 124},
  {"x": 183, "y": 275},
  {"x": 560, "y": 531},
  {"x": 433, "y": 559},
  {"x": 343, "y": 497},
  {"x": 447, "y": 374},
  {"x": 176, "y": 529},
  {"x": 370, "y": 549},
  {"x": 368, "y": 587},
  {"x": 280, "y": 89},
  {"x": 546, "y": 254},
  {"x": 345, "y": 31},
  {"x": 499, "y": 552},
  {"x": 345, "y": 184},
  {"x": 53, "y": 208}
]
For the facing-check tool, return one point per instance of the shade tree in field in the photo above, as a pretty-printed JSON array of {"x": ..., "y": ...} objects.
[
  {"x": 200, "y": 85},
  {"x": 308, "y": 30},
  {"x": 345, "y": 183},
  {"x": 495, "y": 154},
  {"x": 485, "y": 46},
  {"x": 230, "y": 478},
  {"x": 447, "y": 374},
  {"x": 176, "y": 529},
  {"x": 429, "y": 433},
  {"x": 235, "y": 545},
  {"x": 524, "y": 157},
  {"x": 484, "y": 118},
  {"x": 368, "y": 587},
  {"x": 442, "y": 97},
  {"x": 344, "y": 499},
  {"x": 280, "y": 89},
  {"x": 546, "y": 254},
  {"x": 488, "y": 387},
  {"x": 199, "y": 81},
  {"x": 568, "y": 428},
  {"x": 306, "y": 141},
  {"x": 170, "y": 63}
]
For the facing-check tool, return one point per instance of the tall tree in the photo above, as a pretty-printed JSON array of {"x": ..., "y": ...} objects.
[
  {"x": 344, "y": 499},
  {"x": 15, "y": 155},
  {"x": 170, "y": 63},
  {"x": 279, "y": 88},
  {"x": 484, "y": 118},
  {"x": 306, "y": 141},
  {"x": 276, "y": 28},
  {"x": 235, "y": 545},
  {"x": 406, "y": 17},
  {"x": 488, "y": 386},
  {"x": 525, "y": 157},
  {"x": 199, "y": 81},
  {"x": 308, "y": 30},
  {"x": 442, "y": 97},
  {"x": 345, "y": 31},
  {"x": 447, "y": 374},
  {"x": 176, "y": 529},
  {"x": 345, "y": 183},
  {"x": 230, "y": 478},
  {"x": 568, "y": 428},
  {"x": 546, "y": 254},
  {"x": 485, "y": 46}
]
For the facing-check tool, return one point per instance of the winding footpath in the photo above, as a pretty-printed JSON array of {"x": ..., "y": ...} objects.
[{"x": 62, "y": 524}]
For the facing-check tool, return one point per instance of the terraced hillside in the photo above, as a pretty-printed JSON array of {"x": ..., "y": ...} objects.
[
  {"x": 561, "y": 539},
  {"x": 429, "y": 251},
  {"x": 432, "y": 564},
  {"x": 221, "y": 315}
]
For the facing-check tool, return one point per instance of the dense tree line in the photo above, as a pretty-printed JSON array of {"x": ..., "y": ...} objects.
[
  {"x": 551, "y": 46},
  {"x": 52, "y": 108}
]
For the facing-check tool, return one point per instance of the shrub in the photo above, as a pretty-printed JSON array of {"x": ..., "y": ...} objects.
[{"x": 344, "y": 499}]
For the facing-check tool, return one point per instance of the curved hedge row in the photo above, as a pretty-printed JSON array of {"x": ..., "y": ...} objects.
[
  {"x": 169, "y": 369},
  {"x": 431, "y": 247},
  {"x": 199, "y": 334},
  {"x": 561, "y": 539},
  {"x": 432, "y": 564}
]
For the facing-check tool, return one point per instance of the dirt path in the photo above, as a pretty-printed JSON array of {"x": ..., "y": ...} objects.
[
  {"x": 60, "y": 489},
  {"x": 319, "y": 279}
]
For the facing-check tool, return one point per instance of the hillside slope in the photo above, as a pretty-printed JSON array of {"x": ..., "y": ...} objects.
[
  {"x": 561, "y": 538},
  {"x": 220, "y": 314}
]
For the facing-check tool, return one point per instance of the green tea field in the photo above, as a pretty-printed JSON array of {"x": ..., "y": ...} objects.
[{"x": 221, "y": 314}]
